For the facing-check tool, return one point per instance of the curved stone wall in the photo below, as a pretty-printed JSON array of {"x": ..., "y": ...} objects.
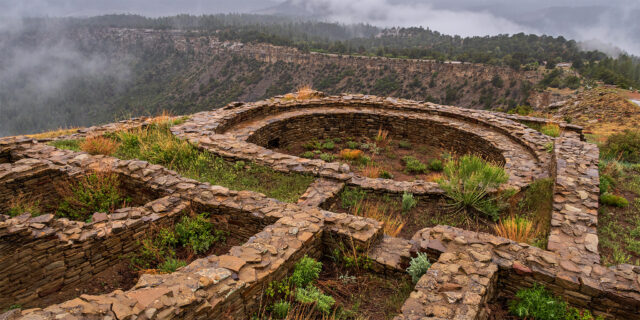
[{"x": 354, "y": 124}]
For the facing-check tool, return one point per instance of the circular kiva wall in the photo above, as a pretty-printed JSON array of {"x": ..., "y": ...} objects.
[
  {"x": 254, "y": 131},
  {"x": 316, "y": 125}
]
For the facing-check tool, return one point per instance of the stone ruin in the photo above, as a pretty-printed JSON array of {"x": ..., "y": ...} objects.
[{"x": 41, "y": 255}]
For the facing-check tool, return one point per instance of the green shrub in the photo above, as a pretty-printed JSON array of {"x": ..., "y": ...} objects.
[
  {"x": 549, "y": 147},
  {"x": 606, "y": 181},
  {"x": 408, "y": 202},
  {"x": 328, "y": 157},
  {"x": 623, "y": 146},
  {"x": 311, "y": 294},
  {"x": 414, "y": 165},
  {"x": 352, "y": 145},
  {"x": 384, "y": 174},
  {"x": 468, "y": 181},
  {"x": 96, "y": 192},
  {"x": 435, "y": 165},
  {"x": 306, "y": 271},
  {"x": 329, "y": 145},
  {"x": 166, "y": 238},
  {"x": 418, "y": 266},
  {"x": 73, "y": 145},
  {"x": 537, "y": 303},
  {"x": 21, "y": 206},
  {"x": 364, "y": 160},
  {"x": 351, "y": 196},
  {"x": 613, "y": 200},
  {"x": 575, "y": 314},
  {"x": 308, "y": 155},
  {"x": 171, "y": 265},
  {"x": 197, "y": 233},
  {"x": 551, "y": 129},
  {"x": 522, "y": 110},
  {"x": 280, "y": 309},
  {"x": 404, "y": 144}
]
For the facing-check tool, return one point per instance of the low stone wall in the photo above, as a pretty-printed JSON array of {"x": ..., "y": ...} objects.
[
  {"x": 612, "y": 292},
  {"x": 575, "y": 202}
]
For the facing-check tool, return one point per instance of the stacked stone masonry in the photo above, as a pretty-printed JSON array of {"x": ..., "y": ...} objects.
[{"x": 42, "y": 254}]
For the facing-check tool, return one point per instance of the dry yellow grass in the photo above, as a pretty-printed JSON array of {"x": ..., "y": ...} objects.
[
  {"x": 54, "y": 133},
  {"x": 392, "y": 223},
  {"x": 515, "y": 228},
  {"x": 350, "y": 154},
  {"x": 305, "y": 92},
  {"x": 371, "y": 171},
  {"x": 99, "y": 145},
  {"x": 163, "y": 117},
  {"x": 382, "y": 138}
]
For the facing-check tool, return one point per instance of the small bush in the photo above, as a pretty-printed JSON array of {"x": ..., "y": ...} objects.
[
  {"x": 518, "y": 229},
  {"x": 352, "y": 145},
  {"x": 623, "y": 146},
  {"x": 386, "y": 174},
  {"x": 99, "y": 145},
  {"x": 21, "y": 205},
  {"x": 435, "y": 165},
  {"x": 280, "y": 309},
  {"x": 408, "y": 202},
  {"x": 306, "y": 271},
  {"x": 96, "y": 192},
  {"x": 551, "y": 129},
  {"x": 351, "y": 196},
  {"x": 197, "y": 233},
  {"x": 311, "y": 294},
  {"x": 404, "y": 144},
  {"x": 329, "y": 145},
  {"x": 327, "y": 157},
  {"x": 350, "y": 154},
  {"x": 171, "y": 265},
  {"x": 613, "y": 200},
  {"x": 418, "y": 266},
  {"x": 537, "y": 303},
  {"x": 308, "y": 155},
  {"x": 468, "y": 181},
  {"x": 414, "y": 165},
  {"x": 364, "y": 160},
  {"x": 549, "y": 147},
  {"x": 606, "y": 181}
]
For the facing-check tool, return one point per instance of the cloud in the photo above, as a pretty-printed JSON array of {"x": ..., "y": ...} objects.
[{"x": 389, "y": 14}]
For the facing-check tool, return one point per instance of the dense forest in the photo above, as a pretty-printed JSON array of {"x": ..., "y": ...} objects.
[{"x": 60, "y": 72}]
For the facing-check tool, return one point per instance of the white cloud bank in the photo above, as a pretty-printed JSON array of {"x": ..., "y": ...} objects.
[{"x": 389, "y": 14}]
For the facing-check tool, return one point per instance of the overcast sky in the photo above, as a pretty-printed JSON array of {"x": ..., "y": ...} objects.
[{"x": 606, "y": 21}]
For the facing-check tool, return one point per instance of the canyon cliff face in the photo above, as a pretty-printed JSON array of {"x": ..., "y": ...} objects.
[{"x": 185, "y": 72}]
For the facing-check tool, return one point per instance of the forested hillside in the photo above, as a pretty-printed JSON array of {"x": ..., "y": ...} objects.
[{"x": 84, "y": 71}]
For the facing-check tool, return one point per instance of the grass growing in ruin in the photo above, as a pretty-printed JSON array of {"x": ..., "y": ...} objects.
[
  {"x": 96, "y": 192},
  {"x": 156, "y": 144},
  {"x": 538, "y": 303},
  {"x": 171, "y": 248},
  {"x": 336, "y": 288},
  {"x": 619, "y": 212}
]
